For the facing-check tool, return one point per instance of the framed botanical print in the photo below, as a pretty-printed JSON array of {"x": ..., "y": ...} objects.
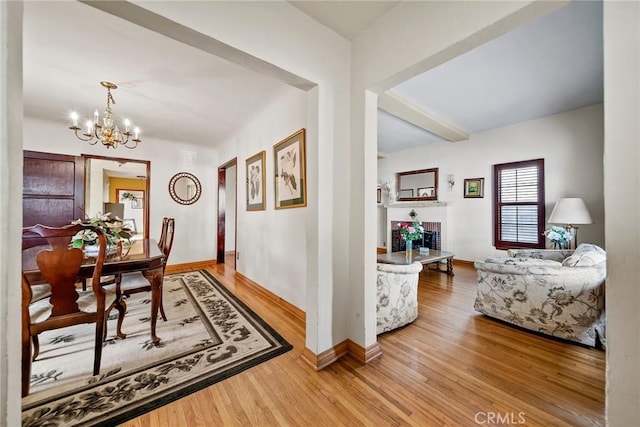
[
  {"x": 290, "y": 171},
  {"x": 474, "y": 188},
  {"x": 256, "y": 199}
]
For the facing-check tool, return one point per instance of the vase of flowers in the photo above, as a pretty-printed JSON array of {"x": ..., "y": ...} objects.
[
  {"x": 410, "y": 232},
  {"x": 559, "y": 236},
  {"x": 115, "y": 232}
]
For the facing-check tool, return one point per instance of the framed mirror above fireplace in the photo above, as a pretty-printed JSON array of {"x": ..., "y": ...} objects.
[{"x": 417, "y": 185}]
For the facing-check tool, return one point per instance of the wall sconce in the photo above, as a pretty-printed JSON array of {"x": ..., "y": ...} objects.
[
  {"x": 413, "y": 214},
  {"x": 387, "y": 187},
  {"x": 451, "y": 180}
]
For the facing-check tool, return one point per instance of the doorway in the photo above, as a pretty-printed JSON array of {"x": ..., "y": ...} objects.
[
  {"x": 227, "y": 252},
  {"x": 120, "y": 186}
]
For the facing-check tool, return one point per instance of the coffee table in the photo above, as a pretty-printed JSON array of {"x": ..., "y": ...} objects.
[{"x": 433, "y": 257}]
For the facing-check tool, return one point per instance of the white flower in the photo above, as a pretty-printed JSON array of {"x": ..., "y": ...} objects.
[{"x": 86, "y": 235}]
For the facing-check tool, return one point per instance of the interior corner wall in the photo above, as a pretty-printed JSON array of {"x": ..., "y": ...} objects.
[
  {"x": 167, "y": 158},
  {"x": 272, "y": 244},
  {"x": 622, "y": 202},
  {"x": 281, "y": 35},
  {"x": 571, "y": 144}
]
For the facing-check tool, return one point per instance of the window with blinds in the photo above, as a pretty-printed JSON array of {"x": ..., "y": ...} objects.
[{"x": 519, "y": 204}]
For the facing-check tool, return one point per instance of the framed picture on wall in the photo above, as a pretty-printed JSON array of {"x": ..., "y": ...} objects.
[
  {"x": 426, "y": 192},
  {"x": 290, "y": 171},
  {"x": 256, "y": 199},
  {"x": 133, "y": 197},
  {"x": 406, "y": 192},
  {"x": 137, "y": 203},
  {"x": 474, "y": 188}
]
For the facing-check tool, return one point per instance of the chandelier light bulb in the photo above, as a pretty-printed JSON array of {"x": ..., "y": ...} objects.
[
  {"x": 74, "y": 118},
  {"x": 126, "y": 125},
  {"x": 89, "y": 127},
  {"x": 136, "y": 132}
]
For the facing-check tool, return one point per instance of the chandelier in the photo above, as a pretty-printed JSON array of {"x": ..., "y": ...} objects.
[{"x": 106, "y": 133}]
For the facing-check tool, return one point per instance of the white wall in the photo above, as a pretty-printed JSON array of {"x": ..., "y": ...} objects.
[
  {"x": 167, "y": 158},
  {"x": 622, "y": 195},
  {"x": 272, "y": 243},
  {"x": 571, "y": 145},
  {"x": 10, "y": 211}
]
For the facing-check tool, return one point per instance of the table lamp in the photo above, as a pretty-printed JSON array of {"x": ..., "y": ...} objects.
[{"x": 570, "y": 211}]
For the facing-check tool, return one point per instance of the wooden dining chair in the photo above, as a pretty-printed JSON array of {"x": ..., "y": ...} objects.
[
  {"x": 60, "y": 265},
  {"x": 128, "y": 284}
]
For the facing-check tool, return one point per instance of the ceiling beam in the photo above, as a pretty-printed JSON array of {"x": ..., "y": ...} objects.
[
  {"x": 405, "y": 110},
  {"x": 155, "y": 22}
]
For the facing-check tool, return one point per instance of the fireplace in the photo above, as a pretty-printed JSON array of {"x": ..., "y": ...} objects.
[{"x": 431, "y": 238}]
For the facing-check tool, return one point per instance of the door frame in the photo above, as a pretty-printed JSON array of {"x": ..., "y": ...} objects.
[
  {"x": 222, "y": 192},
  {"x": 86, "y": 158}
]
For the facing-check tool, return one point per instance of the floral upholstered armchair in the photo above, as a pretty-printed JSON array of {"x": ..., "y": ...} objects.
[
  {"x": 554, "y": 292},
  {"x": 397, "y": 294}
]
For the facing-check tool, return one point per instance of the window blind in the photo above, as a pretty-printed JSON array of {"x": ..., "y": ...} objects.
[{"x": 519, "y": 204}]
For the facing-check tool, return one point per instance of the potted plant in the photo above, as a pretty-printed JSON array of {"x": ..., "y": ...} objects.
[{"x": 114, "y": 229}]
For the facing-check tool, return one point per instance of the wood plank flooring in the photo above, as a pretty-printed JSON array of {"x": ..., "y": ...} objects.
[{"x": 451, "y": 367}]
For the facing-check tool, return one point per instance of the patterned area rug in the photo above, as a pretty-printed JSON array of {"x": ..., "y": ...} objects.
[{"x": 210, "y": 335}]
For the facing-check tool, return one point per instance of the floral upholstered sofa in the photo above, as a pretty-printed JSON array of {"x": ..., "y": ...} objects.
[
  {"x": 397, "y": 294},
  {"x": 554, "y": 292}
]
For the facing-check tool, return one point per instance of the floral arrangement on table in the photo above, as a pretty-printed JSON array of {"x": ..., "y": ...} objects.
[
  {"x": 411, "y": 231},
  {"x": 559, "y": 236},
  {"x": 114, "y": 230}
]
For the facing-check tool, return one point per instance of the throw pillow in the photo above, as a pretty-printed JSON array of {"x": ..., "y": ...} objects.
[
  {"x": 584, "y": 248},
  {"x": 590, "y": 259},
  {"x": 586, "y": 255}
]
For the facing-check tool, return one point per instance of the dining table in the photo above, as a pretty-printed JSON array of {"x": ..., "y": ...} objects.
[{"x": 142, "y": 255}]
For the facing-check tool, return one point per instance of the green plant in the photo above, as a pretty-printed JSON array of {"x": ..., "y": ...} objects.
[{"x": 114, "y": 230}]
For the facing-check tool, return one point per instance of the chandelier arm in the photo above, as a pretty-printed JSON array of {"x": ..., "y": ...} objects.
[
  {"x": 88, "y": 139},
  {"x": 126, "y": 143}
]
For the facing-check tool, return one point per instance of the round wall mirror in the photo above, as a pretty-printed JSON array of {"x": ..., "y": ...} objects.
[{"x": 185, "y": 188}]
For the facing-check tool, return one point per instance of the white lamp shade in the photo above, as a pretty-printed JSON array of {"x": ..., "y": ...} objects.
[{"x": 570, "y": 210}]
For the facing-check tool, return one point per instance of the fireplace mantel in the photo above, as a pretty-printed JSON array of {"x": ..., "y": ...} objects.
[{"x": 425, "y": 204}]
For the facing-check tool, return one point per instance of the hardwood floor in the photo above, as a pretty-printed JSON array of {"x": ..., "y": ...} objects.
[{"x": 452, "y": 367}]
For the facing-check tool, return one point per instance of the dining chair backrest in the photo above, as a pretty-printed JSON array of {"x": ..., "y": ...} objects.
[
  {"x": 166, "y": 236},
  {"x": 59, "y": 265}
]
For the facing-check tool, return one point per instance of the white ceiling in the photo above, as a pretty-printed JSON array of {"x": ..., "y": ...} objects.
[
  {"x": 551, "y": 65},
  {"x": 176, "y": 92},
  {"x": 168, "y": 89},
  {"x": 347, "y": 18}
]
